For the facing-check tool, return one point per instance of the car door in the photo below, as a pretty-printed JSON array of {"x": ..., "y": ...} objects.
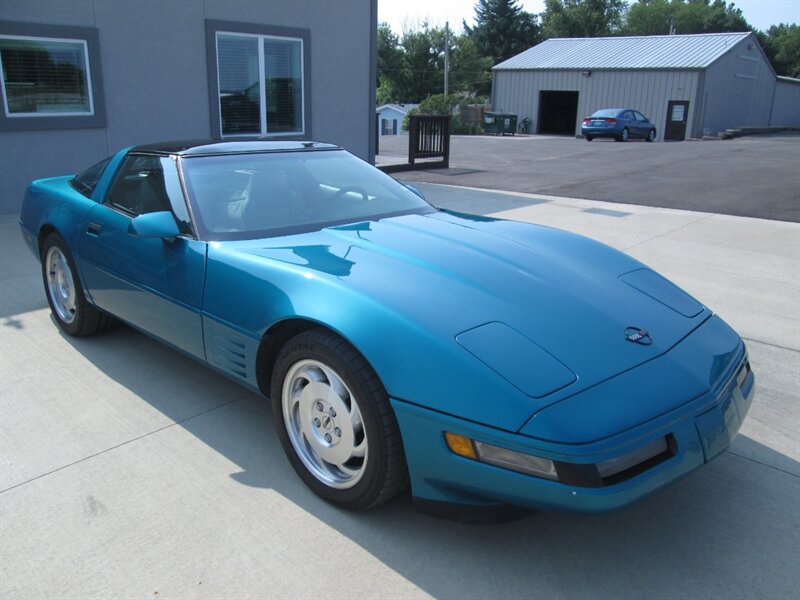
[
  {"x": 154, "y": 284},
  {"x": 642, "y": 124},
  {"x": 630, "y": 123}
]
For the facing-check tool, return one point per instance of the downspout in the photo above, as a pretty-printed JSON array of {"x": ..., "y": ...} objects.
[{"x": 373, "y": 79}]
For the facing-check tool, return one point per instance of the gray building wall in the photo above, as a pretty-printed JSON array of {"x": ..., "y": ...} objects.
[
  {"x": 786, "y": 105},
  {"x": 155, "y": 84},
  {"x": 517, "y": 92},
  {"x": 738, "y": 90}
]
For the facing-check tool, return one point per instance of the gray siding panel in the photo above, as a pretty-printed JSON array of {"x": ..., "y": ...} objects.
[
  {"x": 786, "y": 106},
  {"x": 647, "y": 91},
  {"x": 155, "y": 77},
  {"x": 739, "y": 89}
]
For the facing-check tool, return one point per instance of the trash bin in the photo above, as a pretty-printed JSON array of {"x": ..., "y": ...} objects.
[
  {"x": 499, "y": 123},
  {"x": 509, "y": 124},
  {"x": 490, "y": 123}
]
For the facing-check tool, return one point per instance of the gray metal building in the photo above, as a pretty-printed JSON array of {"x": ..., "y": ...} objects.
[
  {"x": 688, "y": 85},
  {"x": 84, "y": 78}
]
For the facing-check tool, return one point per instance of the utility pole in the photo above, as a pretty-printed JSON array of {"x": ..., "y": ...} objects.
[{"x": 446, "y": 55}]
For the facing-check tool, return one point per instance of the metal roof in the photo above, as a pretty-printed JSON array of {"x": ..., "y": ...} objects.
[{"x": 641, "y": 52}]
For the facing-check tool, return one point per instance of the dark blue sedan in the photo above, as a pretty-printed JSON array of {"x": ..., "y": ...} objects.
[{"x": 619, "y": 123}]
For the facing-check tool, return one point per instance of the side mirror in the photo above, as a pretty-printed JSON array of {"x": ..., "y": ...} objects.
[
  {"x": 411, "y": 188},
  {"x": 155, "y": 225}
]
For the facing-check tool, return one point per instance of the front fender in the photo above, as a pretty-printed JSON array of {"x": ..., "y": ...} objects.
[{"x": 417, "y": 359}]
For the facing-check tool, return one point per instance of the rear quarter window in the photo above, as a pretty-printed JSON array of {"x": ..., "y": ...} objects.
[{"x": 85, "y": 181}]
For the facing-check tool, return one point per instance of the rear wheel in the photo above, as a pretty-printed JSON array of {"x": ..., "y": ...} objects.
[
  {"x": 335, "y": 422},
  {"x": 589, "y": 138},
  {"x": 72, "y": 312},
  {"x": 651, "y": 135},
  {"x": 623, "y": 137}
]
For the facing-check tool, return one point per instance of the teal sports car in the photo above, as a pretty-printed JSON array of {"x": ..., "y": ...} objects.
[{"x": 484, "y": 363}]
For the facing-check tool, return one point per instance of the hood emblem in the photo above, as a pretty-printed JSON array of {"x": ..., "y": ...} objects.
[{"x": 638, "y": 336}]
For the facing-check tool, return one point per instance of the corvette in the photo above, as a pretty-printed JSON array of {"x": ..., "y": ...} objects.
[{"x": 483, "y": 362}]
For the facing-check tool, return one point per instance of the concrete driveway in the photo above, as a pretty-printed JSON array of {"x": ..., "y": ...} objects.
[{"x": 128, "y": 470}]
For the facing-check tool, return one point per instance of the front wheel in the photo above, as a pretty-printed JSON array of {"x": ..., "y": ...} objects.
[
  {"x": 651, "y": 135},
  {"x": 335, "y": 422},
  {"x": 72, "y": 312}
]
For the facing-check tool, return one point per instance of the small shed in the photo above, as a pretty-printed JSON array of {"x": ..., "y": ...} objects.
[
  {"x": 390, "y": 117},
  {"x": 786, "y": 106},
  {"x": 688, "y": 85}
]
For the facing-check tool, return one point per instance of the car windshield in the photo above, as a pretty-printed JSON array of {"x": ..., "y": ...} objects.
[
  {"x": 607, "y": 112},
  {"x": 247, "y": 196}
]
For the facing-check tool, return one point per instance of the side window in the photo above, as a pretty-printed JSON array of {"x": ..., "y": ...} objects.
[
  {"x": 86, "y": 181},
  {"x": 628, "y": 115},
  {"x": 639, "y": 116},
  {"x": 139, "y": 186}
]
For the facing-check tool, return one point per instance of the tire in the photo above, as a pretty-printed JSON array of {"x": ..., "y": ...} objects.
[
  {"x": 355, "y": 462},
  {"x": 623, "y": 137},
  {"x": 651, "y": 136},
  {"x": 72, "y": 312},
  {"x": 589, "y": 138}
]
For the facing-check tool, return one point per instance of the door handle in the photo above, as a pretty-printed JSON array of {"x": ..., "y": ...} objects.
[{"x": 93, "y": 229}]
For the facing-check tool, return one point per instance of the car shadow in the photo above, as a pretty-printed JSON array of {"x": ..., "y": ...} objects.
[{"x": 727, "y": 530}]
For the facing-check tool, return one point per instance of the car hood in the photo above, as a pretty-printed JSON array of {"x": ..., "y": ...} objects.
[{"x": 546, "y": 310}]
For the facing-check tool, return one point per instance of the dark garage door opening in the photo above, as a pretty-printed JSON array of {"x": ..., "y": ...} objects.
[{"x": 558, "y": 112}]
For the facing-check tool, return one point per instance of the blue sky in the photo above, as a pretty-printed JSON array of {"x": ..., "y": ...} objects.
[{"x": 410, "y": 13}]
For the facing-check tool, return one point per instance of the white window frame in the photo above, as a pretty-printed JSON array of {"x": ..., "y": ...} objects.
[
  {"x": 90, "y": 92},
  {"x": 263, "y": 85}
]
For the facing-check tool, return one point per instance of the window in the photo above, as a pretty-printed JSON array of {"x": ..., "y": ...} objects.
[
  {"x": 86, "y": 181},
  {"x": 50, "y": 77},
  {"x": 259, "y": 76},
  {"x": 42, "y": 77},
  {"x": 146, "y": 184}
]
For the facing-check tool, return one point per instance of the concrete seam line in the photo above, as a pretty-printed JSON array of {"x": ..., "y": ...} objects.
[
  {"x": 671, "y": 231},
  {"x": 771, "y": 344},
  {"x": 125, "y": 443},
  {"x": 763, "y": 464}
]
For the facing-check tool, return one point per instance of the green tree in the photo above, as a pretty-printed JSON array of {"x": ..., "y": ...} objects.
[
  {"x": 412, "y": 67},
  {"x": 655, "y": 17},
  {"x": 582, "y": 18},
  {"x": 502, "y": 29},
  {"x": 423, "y": 72},
  {"x": 470, "y": 72},
  {"x": 390, "y": 64},
  {"x": 781, "y": 44}
]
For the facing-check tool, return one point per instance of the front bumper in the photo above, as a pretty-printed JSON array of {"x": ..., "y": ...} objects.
[{"x": 697, "y": 431}]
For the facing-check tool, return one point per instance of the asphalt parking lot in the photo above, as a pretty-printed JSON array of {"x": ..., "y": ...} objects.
[
  {"x": 756, "y": 176},
  {"x": 128, "y": 470}
]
